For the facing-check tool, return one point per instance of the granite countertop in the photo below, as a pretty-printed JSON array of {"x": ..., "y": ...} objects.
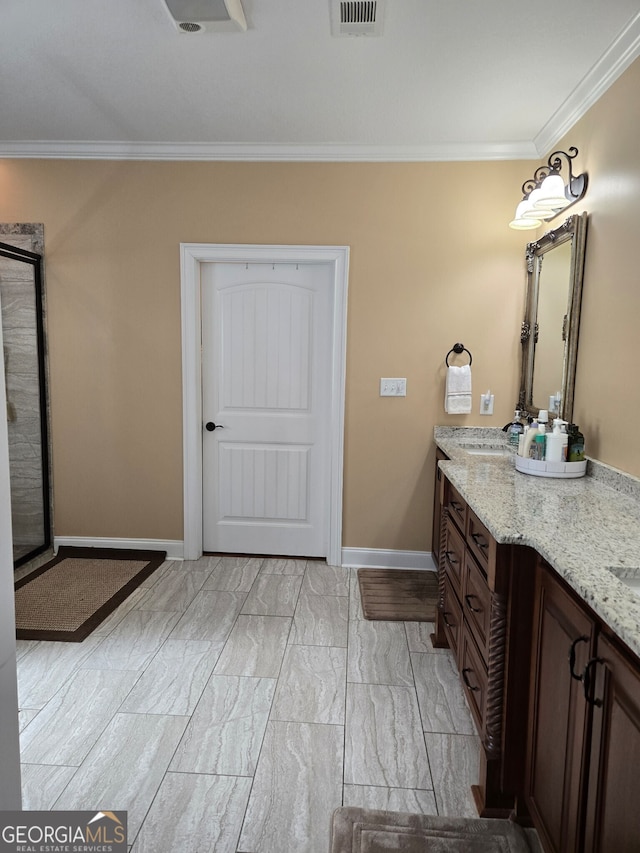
[{"x": 588, "y": 529}]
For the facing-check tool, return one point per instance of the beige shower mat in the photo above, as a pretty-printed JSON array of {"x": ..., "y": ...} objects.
[{"x": 68, "y": 597}]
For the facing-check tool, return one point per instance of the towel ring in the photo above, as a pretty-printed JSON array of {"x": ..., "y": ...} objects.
[{"x": 458, "y": 348}]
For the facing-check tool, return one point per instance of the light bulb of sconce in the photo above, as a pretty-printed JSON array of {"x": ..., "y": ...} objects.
[
  {"x": 551, "y": 194},
  {"x": 536, "y": 210},
  {"x": 520, "y": 222}
]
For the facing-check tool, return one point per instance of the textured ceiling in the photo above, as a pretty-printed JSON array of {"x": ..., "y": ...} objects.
[{"x": 453, "y": 79}]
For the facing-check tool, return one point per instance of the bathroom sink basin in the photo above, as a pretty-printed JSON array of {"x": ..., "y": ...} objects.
[
  {"x": 630, "y": 577},
  {"x": 487, "y": 451}
]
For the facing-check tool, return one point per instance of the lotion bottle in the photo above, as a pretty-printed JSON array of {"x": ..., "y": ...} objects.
[
  {"x": 556, "y": 445},
  {"x": 529, "y": 437}
]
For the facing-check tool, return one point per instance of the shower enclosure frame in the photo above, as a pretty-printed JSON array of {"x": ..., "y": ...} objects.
[{"x": 35, "y": 260}]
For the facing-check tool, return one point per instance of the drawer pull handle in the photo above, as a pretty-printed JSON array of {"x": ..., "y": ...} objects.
[
  {"x": 450, "y": 557},
  {"x": 456, "y": 505},
  {"x": 465, "y": 678},
  {"x": 586, "y": 682},
  {"x": 572, "y": 657},
  {"x": 480, "y": 541},
  {"x": 445, "y": 613},
  {"x": 470, "y": 606}
]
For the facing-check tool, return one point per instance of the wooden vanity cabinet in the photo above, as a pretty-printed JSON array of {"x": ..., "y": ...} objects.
[
  {"x": 612, "y": 819},
  {"x": 554, "y": 693},
  {"x": 582, "y": 783},
  {"x": 477, "y": 620},
  {"x": 563, "y": 643}
]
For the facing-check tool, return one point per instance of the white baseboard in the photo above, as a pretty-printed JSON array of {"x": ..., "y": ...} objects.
[
  {"x": 173, "y": 547},
  {"x": 380, "y": 558}
]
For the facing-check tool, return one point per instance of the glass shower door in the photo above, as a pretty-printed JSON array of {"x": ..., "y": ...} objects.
[{"x": 24, "y": 366}]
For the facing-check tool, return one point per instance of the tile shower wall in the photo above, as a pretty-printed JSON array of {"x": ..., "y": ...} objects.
[{"x": 20, "y": 360}]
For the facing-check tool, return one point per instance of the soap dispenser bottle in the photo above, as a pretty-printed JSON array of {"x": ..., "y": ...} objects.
[
  {"x": 516, "y": 428},
  {"x": 575, "y": 449}
]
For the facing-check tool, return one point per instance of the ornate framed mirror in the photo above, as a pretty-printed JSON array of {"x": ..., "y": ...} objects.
[{"x": 549, "y": 333}]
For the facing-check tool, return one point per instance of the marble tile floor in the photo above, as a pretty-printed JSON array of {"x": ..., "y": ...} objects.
[{"x": 231, "y": 704}]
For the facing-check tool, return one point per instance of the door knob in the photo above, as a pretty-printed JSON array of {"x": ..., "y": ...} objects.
[{"x": 210, "y": 426}]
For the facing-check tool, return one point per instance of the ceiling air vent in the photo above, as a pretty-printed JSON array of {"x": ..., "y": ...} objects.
[
  {"x": 356, "y": 17},
  {"x": 195, "y": 16}
]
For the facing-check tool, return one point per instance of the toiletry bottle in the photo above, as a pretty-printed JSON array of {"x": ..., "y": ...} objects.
[
  {"x": 529, "y": 436},
  {"x": 556, "y": 444},
  {"x": 537, "y": 447},
  {"x": 564, "y": 447},
  {"x": 575, "y": 449},
  {"x": 543, "y": 421},
  {"x": 515, "y": 430}
]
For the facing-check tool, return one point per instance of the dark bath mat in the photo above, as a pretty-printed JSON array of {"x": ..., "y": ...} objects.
[
  {"x": 68, "y": 597},
  {"x": 398, "y": 595}
]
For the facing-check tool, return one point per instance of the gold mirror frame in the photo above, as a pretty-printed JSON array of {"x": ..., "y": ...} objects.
[{"x": 573, "y": 229}]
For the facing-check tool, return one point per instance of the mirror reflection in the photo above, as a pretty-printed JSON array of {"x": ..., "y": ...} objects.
[
  {"x": 549, "y": 336},
  {"x": 551, "y": 319}
]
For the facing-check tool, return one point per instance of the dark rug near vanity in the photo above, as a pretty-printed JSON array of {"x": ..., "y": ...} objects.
[
  {"x": 355, "y": 830},
  {"x": 68, "y": 597},
  {"x": 398, "y": 595}
]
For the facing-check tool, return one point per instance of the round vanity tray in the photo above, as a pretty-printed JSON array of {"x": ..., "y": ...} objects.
[{"x": 558, "y": 470}]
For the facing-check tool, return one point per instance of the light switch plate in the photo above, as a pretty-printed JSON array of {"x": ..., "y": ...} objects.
[
  {"x": 393, "y": 387},
  {"x": 486, "y": 404}
]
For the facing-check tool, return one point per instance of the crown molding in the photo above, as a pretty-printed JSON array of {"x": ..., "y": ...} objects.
[
  {"x": 204, "y": 151},
  {"x": 619, "y": 56}
]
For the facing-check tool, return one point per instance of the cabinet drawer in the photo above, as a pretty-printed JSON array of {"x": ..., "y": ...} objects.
[
  {"x": 454, "y": 553},
  {"x": 457, "y": 506},
  {"x": 451, "y": 617},
  {"x": 481, "y": 542},
  {"x": 476, "y": 603},
  {"x": 474, "y": 677}
]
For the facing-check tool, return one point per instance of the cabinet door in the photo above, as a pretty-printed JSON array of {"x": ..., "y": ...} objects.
[
  {"x": 476, "y": 603},
  {"x": 454, "y": 554},
  {"x": 558, "y": 716},
  {"x": 613, "y": 810},
  {"x": 474, "y": 676},
  {"x": 451, "y": 617}
]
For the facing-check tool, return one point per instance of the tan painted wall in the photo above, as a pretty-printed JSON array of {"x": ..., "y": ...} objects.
[
  {"x": 607, "y": 401},
  {"x": 432, "y": 263}
]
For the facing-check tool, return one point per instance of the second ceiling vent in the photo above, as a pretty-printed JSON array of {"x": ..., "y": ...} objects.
[{"x": 356, "y": 17}]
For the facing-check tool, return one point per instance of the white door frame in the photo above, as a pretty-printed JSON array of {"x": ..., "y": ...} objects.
[{"x": 191, "y": 256}]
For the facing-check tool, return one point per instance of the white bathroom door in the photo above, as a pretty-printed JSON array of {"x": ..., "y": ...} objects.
[{"x": 266, "y": 374}]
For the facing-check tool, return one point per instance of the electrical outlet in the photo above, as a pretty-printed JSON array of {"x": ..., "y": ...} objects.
[
  {"x": 393, "y": 387},
  {"x": 486, "y": 403}
]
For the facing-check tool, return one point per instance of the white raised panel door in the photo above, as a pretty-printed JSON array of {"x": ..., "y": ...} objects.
[{"x": 266, "y": 373}]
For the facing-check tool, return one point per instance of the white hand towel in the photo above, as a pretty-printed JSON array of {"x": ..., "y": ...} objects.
[{"x": 457, "y": 395}]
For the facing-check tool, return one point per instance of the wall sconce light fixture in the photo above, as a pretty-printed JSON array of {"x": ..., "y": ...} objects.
[{"x": 545, "y": 195}]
